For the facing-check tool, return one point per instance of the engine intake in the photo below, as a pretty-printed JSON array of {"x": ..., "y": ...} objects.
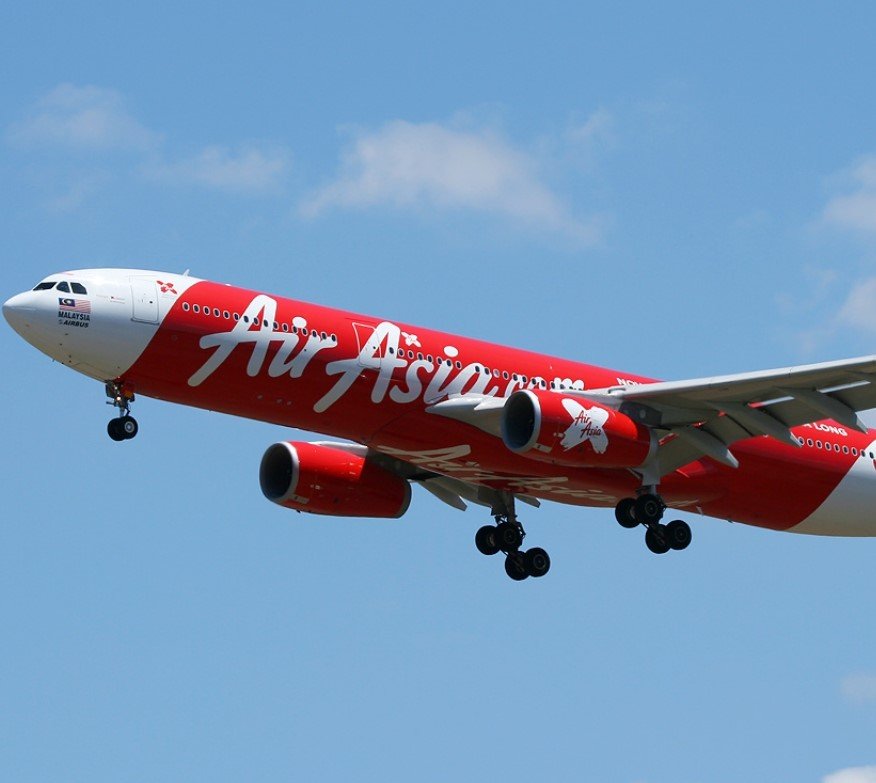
[
  {"x": 565, "y": 430},
  {"x": 325, "y": 480}
]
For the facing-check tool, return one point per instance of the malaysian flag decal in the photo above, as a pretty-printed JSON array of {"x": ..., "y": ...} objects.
[{"x": 74, "y": 305}]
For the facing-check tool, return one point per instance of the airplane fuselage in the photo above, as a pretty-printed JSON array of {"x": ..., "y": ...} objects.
[{"x": 376, "y": 382}]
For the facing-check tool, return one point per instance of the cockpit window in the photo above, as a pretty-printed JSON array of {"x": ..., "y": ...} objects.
[
  {"x": 45, "y": 286},
  {"x": 78, "y": 288},
  {"x": 62, "y": 286}
]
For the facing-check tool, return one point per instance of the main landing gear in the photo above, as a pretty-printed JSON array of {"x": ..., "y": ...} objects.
[
  {"x": 647, "y": 509},
  {"x": 507, "y": 536},
  {"x": 124, "y": 426}
]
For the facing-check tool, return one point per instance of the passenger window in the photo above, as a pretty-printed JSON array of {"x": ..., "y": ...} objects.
[
  {"x": 62, "y": 286},
  {"x": 78, "y": 288}
]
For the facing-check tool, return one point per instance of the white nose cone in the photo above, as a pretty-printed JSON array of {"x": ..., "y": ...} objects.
[{"x": 19, "y": 312}]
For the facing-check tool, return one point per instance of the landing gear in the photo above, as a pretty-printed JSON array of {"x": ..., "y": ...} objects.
[
  {"x": 655, "y": 539},
  {"x": 647, "y": 509},
  {"x": 624, "y": 513},
  {"x": 125, "y": 426},
  {"x": 678, "y": 535},
  {"x": 485, "y": 540},
  {"x": 507, "y": 536}
]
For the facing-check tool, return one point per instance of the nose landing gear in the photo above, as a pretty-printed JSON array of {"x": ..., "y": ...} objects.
[{"x": 125, "y": 426}]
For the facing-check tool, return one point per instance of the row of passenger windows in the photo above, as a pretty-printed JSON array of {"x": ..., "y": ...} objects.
[
  {"x": 402, "y": 352},
  {"x": 408, "y": 354},
  {"x": 67, "y": 288},
  {"x": 837, "y": 448},
  {"x": 227, "y": 315}
]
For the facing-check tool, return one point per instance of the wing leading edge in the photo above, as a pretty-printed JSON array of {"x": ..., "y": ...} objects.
[{"x": 705, "y": 416}]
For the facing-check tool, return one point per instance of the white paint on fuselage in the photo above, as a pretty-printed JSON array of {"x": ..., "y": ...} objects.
[
  {"x": 849, "y": 510},
  {"x": 113, "y": 339}
]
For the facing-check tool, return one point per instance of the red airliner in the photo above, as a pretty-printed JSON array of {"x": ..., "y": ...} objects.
[{"x": 468, "y": 420}]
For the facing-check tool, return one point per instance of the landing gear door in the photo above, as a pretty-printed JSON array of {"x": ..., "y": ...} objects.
[{"x": 144, "y": 295}]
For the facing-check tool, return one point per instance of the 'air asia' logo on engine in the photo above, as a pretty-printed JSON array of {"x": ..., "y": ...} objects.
[{"x": 587, "y": 425}]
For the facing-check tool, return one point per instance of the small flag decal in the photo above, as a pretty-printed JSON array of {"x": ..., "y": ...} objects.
[{"x": 74, "y": 305}]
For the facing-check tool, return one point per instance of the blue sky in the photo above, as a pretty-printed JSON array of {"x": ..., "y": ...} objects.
[{"x": 671, "y": 190}]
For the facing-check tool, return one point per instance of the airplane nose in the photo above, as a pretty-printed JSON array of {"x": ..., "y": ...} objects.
[{"x": 18, "y": 311}]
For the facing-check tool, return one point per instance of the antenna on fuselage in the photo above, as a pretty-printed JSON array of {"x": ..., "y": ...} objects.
[{"x": 186, "y": 273}]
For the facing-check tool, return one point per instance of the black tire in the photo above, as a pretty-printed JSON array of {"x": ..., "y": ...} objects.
[
  {"x": 485, "y": 540},
  {"x": 648, "y": 509},
  {"x": 128, "y": 427},
  {"x": 508, "y": 537},
  {"x": 655, "y": 539},
  {"x": 514, "y": 567},
  {"x": 114, "y": 429},
  {"x": 624, "y": 513},
  {"x": 536, "y": 562},
  {"x": 678, "y": 535}
]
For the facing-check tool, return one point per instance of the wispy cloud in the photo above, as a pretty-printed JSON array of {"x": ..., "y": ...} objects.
[
  {"x": 432, "y": 166},
  {"x": 248, "y": 170},
  {"x": 90, "y": 118},
  {"x": 598, "y": 127},
  {"x": 852, "y": 775},
  {"x": 859, "y": 688},
  {"x": 856, "y": 210},
  {"x": 95, "y": 120}
]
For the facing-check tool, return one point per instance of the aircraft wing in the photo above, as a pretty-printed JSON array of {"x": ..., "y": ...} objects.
[{"x": 707, "y": 415}]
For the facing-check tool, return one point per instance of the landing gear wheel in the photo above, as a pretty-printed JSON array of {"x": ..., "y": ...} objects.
[
  {"x": 678, "y": 535},
  {"x": 515, "y": 568},
  {"x": 656, "y": 539},
  {"x": 485, "y": 540},
  {"x": 536, "y": 562},
  {"x": 508, "y": 536},
  {"x": 114, "y": 429},
  {"x": 624, "y": 513},
  {"x": 648, "y": 509},
  {"x": 129, "y": 427}
]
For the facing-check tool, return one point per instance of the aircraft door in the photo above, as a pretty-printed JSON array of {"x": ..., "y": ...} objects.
[{"x": 144, "y": 295}]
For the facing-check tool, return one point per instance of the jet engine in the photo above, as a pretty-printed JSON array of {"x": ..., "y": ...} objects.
[
  {"x": 326, "y": 480},
  {"x": 565, "y": 430}
]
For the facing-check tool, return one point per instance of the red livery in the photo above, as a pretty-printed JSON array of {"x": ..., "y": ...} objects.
[{"x": 469, "y": 421}]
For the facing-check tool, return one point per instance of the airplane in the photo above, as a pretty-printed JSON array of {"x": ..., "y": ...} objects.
[{"x": 469, "y": 421}]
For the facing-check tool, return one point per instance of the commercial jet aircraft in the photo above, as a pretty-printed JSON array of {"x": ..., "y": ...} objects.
[{"x": 467, "y": 420}]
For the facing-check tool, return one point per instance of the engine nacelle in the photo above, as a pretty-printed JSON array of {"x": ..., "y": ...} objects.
[
  {"x": 325, "y": 480},
  {"x": 565, "y": 430}
]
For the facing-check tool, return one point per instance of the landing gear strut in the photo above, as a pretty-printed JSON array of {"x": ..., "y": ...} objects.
[
  {"x": 647, "y": 509},
  {"x": 507, "y": 536},
  {"x": 125, "y": 426}
]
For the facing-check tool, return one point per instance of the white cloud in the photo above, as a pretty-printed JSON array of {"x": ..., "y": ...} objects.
[
  {"x": 599, "y": 126},
  {"x": 859, "y": 309},
  {"x": 95, "y": 119},
  {"x": 428, "y": 165},
  {"x": 78, "y": 191},
  {"x": 247, "y": 170},
  {"x": 856, "y": 210},
  {"x": 92, "y": 118},
  {"x": 859, "y": 688},
  {"x": 852, "y": 775}
]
